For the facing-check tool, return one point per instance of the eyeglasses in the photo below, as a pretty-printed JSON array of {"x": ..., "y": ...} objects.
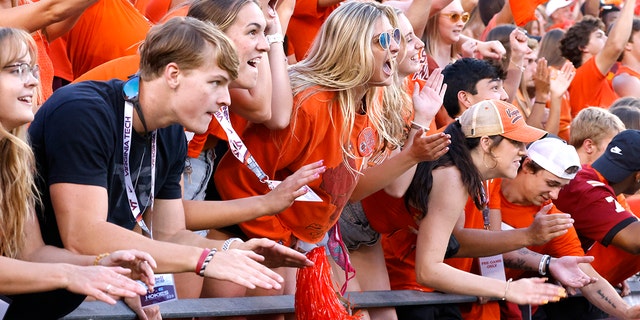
[
  {"x": 455, "y": 17},
  {"x": 22, "y": 70},
  {"x": 384, "y": 39}
]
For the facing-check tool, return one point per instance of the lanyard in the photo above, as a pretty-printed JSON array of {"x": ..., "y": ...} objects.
[
  {"x": 238, "y": 148},
  {"x": 127, "y": 130}
]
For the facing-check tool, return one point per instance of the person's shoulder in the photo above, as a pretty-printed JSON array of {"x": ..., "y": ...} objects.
[{"x": 86, "y": 93}]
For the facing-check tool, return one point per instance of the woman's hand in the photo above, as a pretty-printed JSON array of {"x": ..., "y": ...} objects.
[{"x": 140, "y": 263}]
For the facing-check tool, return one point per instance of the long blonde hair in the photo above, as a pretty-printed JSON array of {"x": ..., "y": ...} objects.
[
  {"x": 341, "y": 60},
  {"x": 17, "y": 188}
]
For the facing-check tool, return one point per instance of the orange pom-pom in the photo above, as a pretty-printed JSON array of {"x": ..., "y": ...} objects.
[{"x": 315, "y": 297}]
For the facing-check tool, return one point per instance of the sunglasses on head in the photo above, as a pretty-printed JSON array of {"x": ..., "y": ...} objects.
[
  {"x": 384, "y": 39},
  {"x": 455, "y": 17}
]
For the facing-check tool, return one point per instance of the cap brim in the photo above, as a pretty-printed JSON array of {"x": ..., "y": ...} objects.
[
  {"x": 611, "y": 171},
  {"x": 525, "y": 134}
]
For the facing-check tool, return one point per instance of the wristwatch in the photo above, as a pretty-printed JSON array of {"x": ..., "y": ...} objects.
[{"x": 273, "y": 38}]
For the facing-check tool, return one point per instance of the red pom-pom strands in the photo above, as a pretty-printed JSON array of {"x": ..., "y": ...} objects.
[{"x": 315, "y": 296}]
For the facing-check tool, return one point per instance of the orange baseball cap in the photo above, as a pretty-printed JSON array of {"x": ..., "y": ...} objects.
[{"x": 496, "y": 117}]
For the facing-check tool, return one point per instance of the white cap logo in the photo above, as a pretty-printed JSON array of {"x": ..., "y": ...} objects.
[{"x": 616, "y": 150}]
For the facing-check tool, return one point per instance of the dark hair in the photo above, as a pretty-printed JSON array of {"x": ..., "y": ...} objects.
[
  {"x": 463, "y": 75},
  {"x": 577, "y": 37},
  {"x": 459, "y": 155},
  {"x": 489, "y": 8}
]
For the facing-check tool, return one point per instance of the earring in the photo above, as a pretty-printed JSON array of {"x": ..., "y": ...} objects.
[{"x": 495, "y": 164}]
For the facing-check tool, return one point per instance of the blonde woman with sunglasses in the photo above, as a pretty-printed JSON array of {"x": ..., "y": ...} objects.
[{"x": 339, "y": 118}]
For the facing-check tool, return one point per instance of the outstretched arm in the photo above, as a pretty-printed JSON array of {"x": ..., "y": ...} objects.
[
  {"x": 617, "y": 39},
  {"x": 200, "y": 215},
  {"x": 446, "y": 204},
  {"x": 56, "y": 17}
]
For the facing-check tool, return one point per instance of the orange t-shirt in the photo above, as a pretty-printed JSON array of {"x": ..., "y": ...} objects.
[
  {"x": 46, "y": 66},
  {"x": 61, "y": 64},
  {"x": 120, "y": 68},
  {"x": 590, "y": 88},
  {"x": 107, "y": 30},
  {"x": 304, "y": 24},
  {"x": 314, "y": 134}
]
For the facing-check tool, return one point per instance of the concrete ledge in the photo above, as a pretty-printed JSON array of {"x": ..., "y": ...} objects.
[{"x": 186, "y": 308}]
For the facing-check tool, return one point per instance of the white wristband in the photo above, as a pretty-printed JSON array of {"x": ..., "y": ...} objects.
[
  {"x": 228, "y": 242},
  {"x": 541, "y": 266},
  {"x": 273, "y": 38}
]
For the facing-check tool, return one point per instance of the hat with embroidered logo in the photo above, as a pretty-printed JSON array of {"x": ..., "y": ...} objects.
[
  {"x": 555, "y": 156},
  {"x": 554, "y": 5},
  {"x": 496, "y": 117},
  {"x": 622, "y": 157}
]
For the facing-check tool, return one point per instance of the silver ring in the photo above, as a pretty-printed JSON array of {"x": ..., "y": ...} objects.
[{"x": 108, "y": 289}]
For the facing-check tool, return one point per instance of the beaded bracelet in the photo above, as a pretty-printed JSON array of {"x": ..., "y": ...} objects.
[
  {"x": 100, "y": 257},
  {"x": 206, "y": 261},
  {"x": 541, "y": 102},
  {"x": 227, "y": 243}
]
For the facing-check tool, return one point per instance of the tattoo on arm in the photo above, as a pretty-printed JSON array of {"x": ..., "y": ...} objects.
[
  {"x": 520, "y": 261},
  {"x": 606, "y": 299}
]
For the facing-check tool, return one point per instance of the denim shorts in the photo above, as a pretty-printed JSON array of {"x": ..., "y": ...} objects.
[
  {"x": 195, "y": 183},
  {"x": 355, "y": 227}
]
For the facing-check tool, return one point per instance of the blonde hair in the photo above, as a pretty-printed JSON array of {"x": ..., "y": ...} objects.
[
  {"x": 593, "y": 123},
  {"x": 17, "y": 187},
  {"x": 341, "y": 60}
]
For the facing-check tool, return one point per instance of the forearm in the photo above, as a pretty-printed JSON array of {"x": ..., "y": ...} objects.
[
  {"x": 201, "y": 215},
  {"x": 38, "y": 15},
  {"x": 104, "y": 236},
  {"x": 418, "y": 13},
  {"x": 553, "y": 121},
  {"x": 53, "y": 254},
  {"x": 603, "y": 295},
  {"x": 482, "y": 243},
  {"x": 281, "y": 95},
  {"x": 398, "y": 187},
  {"x": 18, "y": 277},
  {"x": 377, "y": 177},
  {"x": 442, "y": 277},
  {"x": 514, "y": 75},
  {"x": 522, "y": 259}
]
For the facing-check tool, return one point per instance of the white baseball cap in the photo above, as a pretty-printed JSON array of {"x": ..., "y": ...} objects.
[
  {"x": 555, "y": 156},
  {"x": 554, "y": 5}
]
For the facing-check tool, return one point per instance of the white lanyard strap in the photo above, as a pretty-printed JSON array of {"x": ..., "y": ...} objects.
[
  {"x": 126, "y": 150},
  {"x": 238, "y": 148}
]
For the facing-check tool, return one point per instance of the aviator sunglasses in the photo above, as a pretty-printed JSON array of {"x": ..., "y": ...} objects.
[
  {"x": 455, "y": 17},
  {"x": 384, "y": 39},
  {"x": 22, "y": 70}
]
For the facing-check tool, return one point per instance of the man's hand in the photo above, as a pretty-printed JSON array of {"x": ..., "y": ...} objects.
[
  {"x": 548, "y": 226},
  {"x": 566, "y": 270},
  {"x": 274, "y": 254}
]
